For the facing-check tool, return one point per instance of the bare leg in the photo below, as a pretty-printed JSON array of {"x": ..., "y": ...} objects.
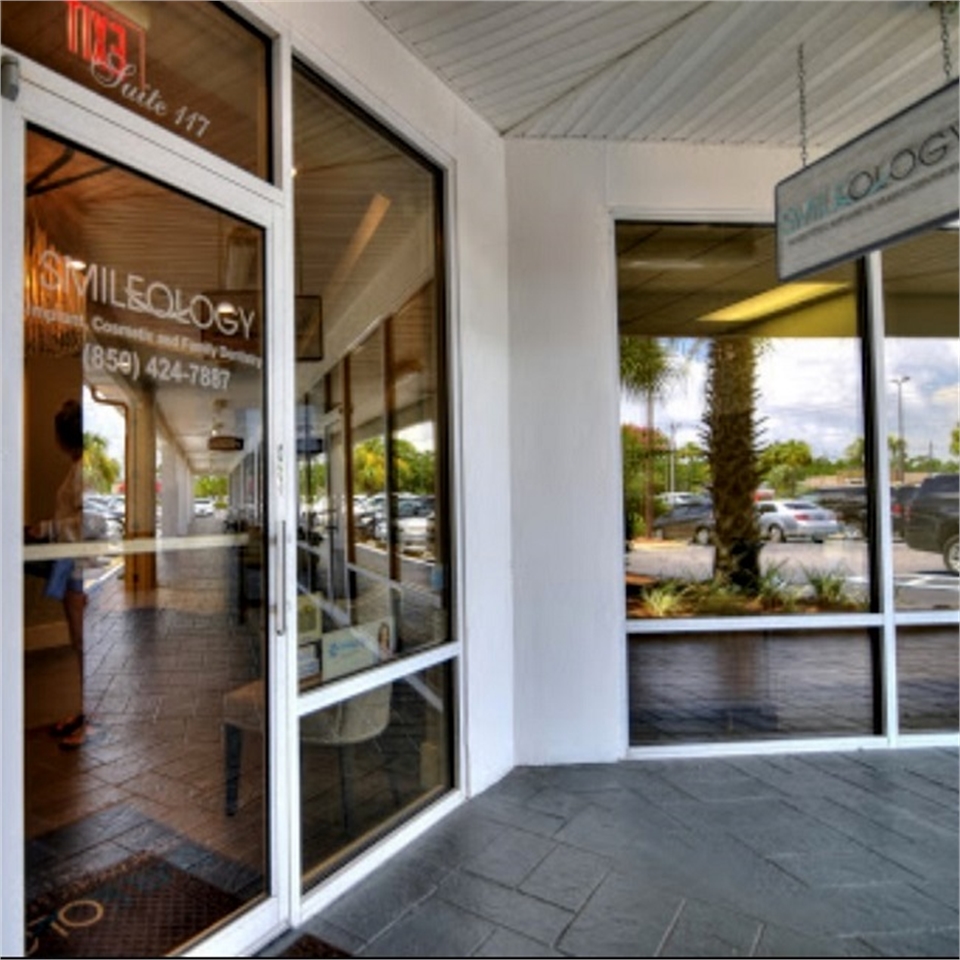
[{"x": 74, "y": 602}]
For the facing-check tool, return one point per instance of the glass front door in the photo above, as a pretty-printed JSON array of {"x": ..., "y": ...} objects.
[{"x": 144, "y": 586}]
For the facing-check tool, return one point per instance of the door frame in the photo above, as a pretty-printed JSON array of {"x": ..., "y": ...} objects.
[{"x": 55, "y": 104}]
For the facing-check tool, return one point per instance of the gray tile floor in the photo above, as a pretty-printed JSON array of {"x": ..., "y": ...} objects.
[{"x": 812, "y": 855}]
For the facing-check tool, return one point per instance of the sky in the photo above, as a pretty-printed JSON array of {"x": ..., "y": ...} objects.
[{"x": 810, "y": 390}]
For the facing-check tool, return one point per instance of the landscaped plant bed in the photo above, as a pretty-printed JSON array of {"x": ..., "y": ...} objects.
[{"x": 824, "y": 592}]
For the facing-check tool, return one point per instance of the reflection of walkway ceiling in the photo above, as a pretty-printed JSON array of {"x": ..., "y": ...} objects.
[
  {"x": 127, "y": 226},
  {"x": 681, "y": 280},
  {"x": 715, "y": 72},
  {"x": 674, "y": 279}
]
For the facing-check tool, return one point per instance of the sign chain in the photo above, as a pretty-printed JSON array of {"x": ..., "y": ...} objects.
[
  {"x": 945, "y": 38},
  {"x": 802, "y": 90}
]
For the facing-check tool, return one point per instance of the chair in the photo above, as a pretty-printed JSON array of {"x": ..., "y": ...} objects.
[{"x": 358, "y": 720}]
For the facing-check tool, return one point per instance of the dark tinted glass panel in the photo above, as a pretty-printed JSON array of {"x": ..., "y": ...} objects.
[
  {"x": 928, "y": 668},
  {"x": 370, "y": 762},
  {"x": 749, "y": 686},
  {"x": 190, "y": 67}
]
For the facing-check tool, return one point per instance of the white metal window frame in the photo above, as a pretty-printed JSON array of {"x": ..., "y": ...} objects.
[
  {"x": 886, "y": 620},
  {"x": 315, "y": 59}
]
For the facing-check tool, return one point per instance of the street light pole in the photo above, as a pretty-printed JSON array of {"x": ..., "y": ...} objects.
[
  {"x": 673, "y": 456},
  {"x": 900, "y": 381}
]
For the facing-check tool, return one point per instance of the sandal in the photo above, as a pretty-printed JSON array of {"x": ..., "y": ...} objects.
[
  {"x": 73, "y": 740},
  {"x": 67, "y": 726}
]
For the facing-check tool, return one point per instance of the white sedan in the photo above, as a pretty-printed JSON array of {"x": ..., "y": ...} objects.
[{"x": 796, "y": 520}]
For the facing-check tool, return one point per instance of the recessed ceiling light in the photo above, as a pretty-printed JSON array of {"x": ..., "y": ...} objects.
[{"x": 774, "y": 301}]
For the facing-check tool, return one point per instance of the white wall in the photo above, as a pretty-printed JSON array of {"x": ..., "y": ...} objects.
[
  {"x": 347, "y": 44},
  {"x": 564, "y": 409}
]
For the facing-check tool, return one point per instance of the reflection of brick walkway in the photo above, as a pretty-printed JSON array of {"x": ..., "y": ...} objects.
[
  {"x": 150, "y": 776},
  {"x": 760, "y": 685}
]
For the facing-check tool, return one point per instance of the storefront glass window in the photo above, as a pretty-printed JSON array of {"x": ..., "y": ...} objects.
[
  {"x": 371, "y": 554},
  {"x": 191, "y": 67},
  {"x": 742, "y": 428},
  {"x": 922, "y": 358}
]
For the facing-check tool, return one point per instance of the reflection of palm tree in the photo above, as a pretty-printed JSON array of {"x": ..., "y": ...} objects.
[
  {"x": 731, "y": 438},
  {"x": 854, "y": 454},
  {"x": 646, "y": 369},
  {"x": 897, "y": 448},
  {"x": 783, "y": 462},
  {"x": 100, "y": 470}
]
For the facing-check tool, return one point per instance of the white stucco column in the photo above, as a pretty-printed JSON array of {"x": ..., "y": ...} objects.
[{"x": 566, "y": 518}]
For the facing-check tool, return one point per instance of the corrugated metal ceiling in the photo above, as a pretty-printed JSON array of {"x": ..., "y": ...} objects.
[{"x": 714, "y": 72}]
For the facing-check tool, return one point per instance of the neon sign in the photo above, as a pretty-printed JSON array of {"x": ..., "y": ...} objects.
[{"x": 104, "y": 38}]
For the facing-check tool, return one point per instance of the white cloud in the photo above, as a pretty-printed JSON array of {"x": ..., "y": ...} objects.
[
  {"x": 810, "y": 389},
  {"x": 931, "y": 395}
]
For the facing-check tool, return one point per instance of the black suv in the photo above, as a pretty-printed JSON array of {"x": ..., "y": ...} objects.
[
  {"x": 848, "y": 502},
  {"x": 932, "y": 518}
]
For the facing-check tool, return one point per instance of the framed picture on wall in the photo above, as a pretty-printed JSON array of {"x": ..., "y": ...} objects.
[{"x": 309, "y": 327}]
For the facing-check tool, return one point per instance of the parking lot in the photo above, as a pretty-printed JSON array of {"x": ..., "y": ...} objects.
[{"x": 920, "y": 579}]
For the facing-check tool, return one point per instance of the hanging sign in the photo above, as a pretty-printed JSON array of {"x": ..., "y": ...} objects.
[
  {"x": 225, "y": 443},
  {"x": 897, "y": 179}
]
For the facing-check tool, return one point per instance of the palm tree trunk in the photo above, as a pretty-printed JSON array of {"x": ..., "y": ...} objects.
[
  {"x": 648, "y": 495},
  {"x": 731, "y": 441}
]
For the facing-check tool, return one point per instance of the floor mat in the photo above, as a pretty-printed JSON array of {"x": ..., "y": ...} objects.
[
  {"x": 141, "y": 907},
  {"x": 309, "y": 946}
]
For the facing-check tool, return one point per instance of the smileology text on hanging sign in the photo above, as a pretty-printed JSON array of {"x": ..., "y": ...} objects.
[{"x": 897, "y": 179}]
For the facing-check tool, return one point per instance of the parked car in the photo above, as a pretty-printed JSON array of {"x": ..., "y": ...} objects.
[
  {"x": 686, "y": 521},
  {"x": 674, "y": 498},
  {"x": 796, "y": 520},
  {"x": 932, "y": 518},
  {"x": 900, "y": 499},
  {"x": 412, "y": 512},
  {"x": 100, "y": 519},
  {"x": 203, "y": 507},
  {"x": 415, "y": 534},
  {"x": 368, "y": 512},
  {"x": 847, "y": 501}
]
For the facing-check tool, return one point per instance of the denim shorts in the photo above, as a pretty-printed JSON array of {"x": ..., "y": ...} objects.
[{"x": 63, "y": 577}]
